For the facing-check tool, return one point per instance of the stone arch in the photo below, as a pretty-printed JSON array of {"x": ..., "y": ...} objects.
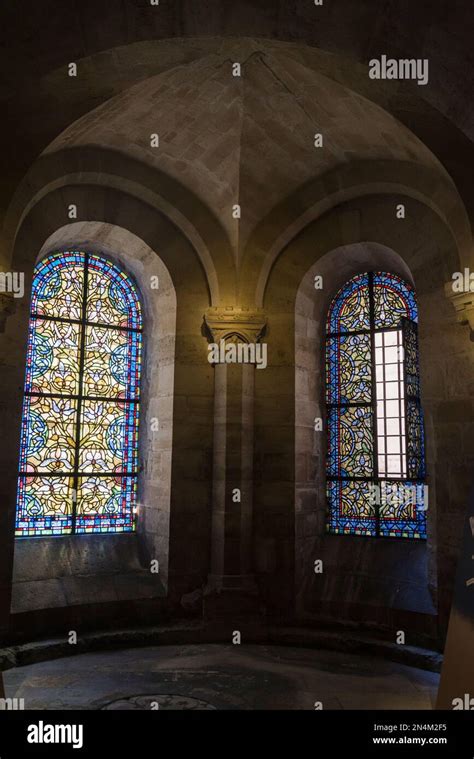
[
  {"x": 46, "y": 574},
  {"x": 144, "y": 241},
  {"x": 218, "y": 159},
  {"x": 407, "y": 181},
  {"x": 59, "y": 171},
  {"x": 391, "y": 574},
  {"x": 426, "y": 254},
  {"x": 102, "y": 160}
]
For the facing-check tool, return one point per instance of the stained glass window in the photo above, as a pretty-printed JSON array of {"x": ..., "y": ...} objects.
[
  {"x": 375, "y": 459},
  {"x": 79, "y": 432}
]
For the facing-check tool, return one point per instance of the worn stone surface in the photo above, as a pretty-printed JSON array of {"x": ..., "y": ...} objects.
[
  {"x": 221, "y": 677},
  {"x": 158, "y": 702},
  {"x": 348, "y": 639}
]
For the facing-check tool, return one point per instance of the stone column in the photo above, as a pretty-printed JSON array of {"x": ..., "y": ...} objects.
[
  {"x": 231, "y": 546},
  {"x": 463, "y": 303}
]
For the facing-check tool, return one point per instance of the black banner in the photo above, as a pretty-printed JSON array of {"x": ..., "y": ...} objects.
[{"x": 137, "y": 734}]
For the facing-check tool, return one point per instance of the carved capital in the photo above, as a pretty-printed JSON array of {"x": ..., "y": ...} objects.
[
  {"x": 7, "y": 307},
  {"x": 235, "y": 324},
  {"x": 463, "y": 304}
]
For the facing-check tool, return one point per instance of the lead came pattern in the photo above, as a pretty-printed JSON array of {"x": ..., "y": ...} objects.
[
  {"x": 348, "y": 369},
  {"x": 79, "y": 436},
  {"x": 375, "y": 465},
  {"x": 351, "y": 508},
  {"x": 350, "y": 442}
]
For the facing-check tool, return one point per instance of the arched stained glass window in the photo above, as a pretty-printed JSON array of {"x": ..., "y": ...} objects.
[
  {"x": 375, "y": 461},
  {"x": 79, "y": 435}
]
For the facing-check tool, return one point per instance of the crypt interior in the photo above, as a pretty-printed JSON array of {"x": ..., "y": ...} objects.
[{"x": 232, "y": 484}]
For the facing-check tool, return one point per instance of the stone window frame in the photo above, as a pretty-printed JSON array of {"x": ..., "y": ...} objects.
[
  {"x": 65, "y": 570},
  {"x": 336, "y": 267}
]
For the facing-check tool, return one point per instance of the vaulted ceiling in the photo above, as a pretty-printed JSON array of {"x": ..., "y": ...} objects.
[{"x": 167, "y": 69}]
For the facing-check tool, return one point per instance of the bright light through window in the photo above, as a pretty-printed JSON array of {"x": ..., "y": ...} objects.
[{"x": 390, "y": 394}]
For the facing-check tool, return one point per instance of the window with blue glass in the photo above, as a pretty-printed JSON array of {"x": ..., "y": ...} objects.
[
  {"x": 79, "y": 434},
  {"x": 375, "y": 466}
]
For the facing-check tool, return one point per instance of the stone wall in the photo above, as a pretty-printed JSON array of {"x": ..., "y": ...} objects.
[{"x": 170, "y": 213}]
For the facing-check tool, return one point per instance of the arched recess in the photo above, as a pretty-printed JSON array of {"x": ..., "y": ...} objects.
[
  {"x": 175, "y": 526},
  {"x": 46, "y": 571},
  {"x": 289, "y": 526},
  {"x": 394, "y": 574}
]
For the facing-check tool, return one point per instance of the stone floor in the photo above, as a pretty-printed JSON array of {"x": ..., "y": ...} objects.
[{"x": 221, "y": 677}]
